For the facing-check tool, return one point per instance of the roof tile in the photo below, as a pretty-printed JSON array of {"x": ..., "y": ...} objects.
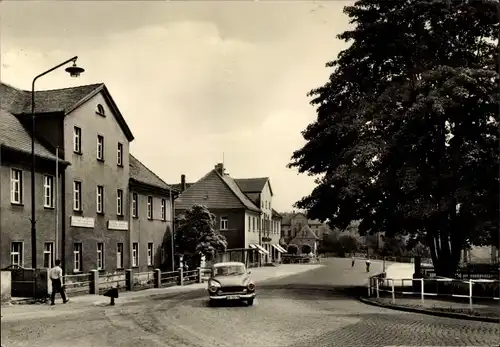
[
  {"x": 305, "y": 233},
  {"x": 251, "y": 185},
  {"x": 14, "y": 135},
  {"x": 215, "y": 192},
  {"x": 236, "y": 189},
  {"x": 63, "y": 100},
  {"x": 140, "y": 173},
  {"x": 55, "y": 100}
]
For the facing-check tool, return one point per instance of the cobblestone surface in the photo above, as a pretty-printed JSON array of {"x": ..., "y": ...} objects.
[
  {"x": 310, "y": 309},
  {"x": 485, "y": 309}
]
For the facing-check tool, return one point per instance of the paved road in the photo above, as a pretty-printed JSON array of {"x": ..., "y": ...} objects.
[{"x": 309, "y": 309}]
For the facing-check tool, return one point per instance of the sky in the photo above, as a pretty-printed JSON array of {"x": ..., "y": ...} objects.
[{"x": 197, "y": 81}]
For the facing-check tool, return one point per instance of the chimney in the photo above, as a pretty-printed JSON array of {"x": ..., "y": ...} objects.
[
  {"x": 183, "y": 183},
  {"x": 220, "y": 169}
]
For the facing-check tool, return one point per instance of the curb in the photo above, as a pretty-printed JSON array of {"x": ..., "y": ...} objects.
[{"x": 431, "y": 312}]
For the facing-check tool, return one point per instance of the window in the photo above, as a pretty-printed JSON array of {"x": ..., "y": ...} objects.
[
  {"x": 150, "y": 254},
  {"x": 135, "y": 210},
  {"x": 100, "y": 147},
  {"x": 100, "y": 110},
  {"x": 253, "y": 223},
  {"x": 135, "y": 254},
  {"x": 249, "y": 223},
  {"x": 16, "y": 253},
  {"x": 223, "y": 223},
  {"x": 163, "y": 210},
  {"x": 77, "y": 140},
  {"x": 119, "y": 202},
  {"x": 119, "y": 256},
  {"x": 48, "y": 191},
  {"x": 100, "y": 199},
  {"x": 119, "y": 159},
  {"x": 16, "y": 186},
  {"x": 100, "y": 256},
  {"x": 77, "y": 257},
  {"x": 77, "y": 196},
  {"x": 48, "y": 254},
  {"x": 150, "y": 207}
]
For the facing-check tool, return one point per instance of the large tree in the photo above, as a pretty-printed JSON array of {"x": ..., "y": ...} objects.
[
  {"x": 406, "y": 135},
  {"x": 197, "y": 235}
]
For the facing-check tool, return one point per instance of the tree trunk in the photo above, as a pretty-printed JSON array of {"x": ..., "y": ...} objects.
[{"x": 445, "y": 252}]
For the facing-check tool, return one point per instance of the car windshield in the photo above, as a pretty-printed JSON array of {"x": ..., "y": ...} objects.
[{"x": 229, "y": 270}]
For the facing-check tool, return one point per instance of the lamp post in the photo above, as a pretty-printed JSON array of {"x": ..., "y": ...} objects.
[{"x": 74, "y": 71}]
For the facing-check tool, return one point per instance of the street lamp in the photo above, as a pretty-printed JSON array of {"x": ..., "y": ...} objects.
[{"x": 74, "y": 71}]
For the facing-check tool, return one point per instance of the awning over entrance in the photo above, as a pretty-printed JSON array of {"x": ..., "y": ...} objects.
[
  {"x": 279, "y": 248},
  {"x": 261, "y": 249}
]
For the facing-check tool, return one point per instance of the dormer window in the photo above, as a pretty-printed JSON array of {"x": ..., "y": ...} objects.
[{"x": 100, "y": 110}]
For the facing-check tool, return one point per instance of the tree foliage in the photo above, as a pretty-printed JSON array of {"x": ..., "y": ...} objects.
[
  {"x": 394, "y": 246},
  {"x": 339, "y": 243},
  {"x": 197, "y": 235},
  {"x": 406, "y": 136}
]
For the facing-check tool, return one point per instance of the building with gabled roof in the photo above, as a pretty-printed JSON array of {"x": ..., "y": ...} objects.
[
  {"x": 305, "y": 240},
  {"x": 245, "y": 220},
  {"x": 98, "y": 181},
  {"x": 293, "y": 222}
]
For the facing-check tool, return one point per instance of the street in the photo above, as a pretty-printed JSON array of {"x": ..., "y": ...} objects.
[{"x": 314, "y": 308}]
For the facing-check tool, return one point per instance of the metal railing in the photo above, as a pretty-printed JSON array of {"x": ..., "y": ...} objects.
[
  {"x": 464, "y": 273},
  {"x": 77, "y": 284},
  {"x": 470, "y": 290}
]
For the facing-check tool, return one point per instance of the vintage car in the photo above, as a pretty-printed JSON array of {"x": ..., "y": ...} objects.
[{"x": 230, "y": 281}]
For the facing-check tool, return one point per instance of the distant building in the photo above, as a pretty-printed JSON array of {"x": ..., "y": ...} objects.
[
  {"x": 293, "y": 223},
  {"x": 306, "y": 241}
]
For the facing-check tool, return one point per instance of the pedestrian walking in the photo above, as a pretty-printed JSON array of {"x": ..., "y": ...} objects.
[
  {"x": 353, "y": 260},
  {"x": 56, "y": 275},
  {"x": 367, "y": 262}
]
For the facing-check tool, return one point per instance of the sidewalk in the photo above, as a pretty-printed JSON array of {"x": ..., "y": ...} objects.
[{"x": 44, "y": 310}]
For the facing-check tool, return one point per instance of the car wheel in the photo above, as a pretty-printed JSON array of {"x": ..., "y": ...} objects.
[{"x": 250, "y": 302}]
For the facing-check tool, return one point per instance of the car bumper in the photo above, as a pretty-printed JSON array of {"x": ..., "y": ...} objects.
[{"x": 232, "y": 296}]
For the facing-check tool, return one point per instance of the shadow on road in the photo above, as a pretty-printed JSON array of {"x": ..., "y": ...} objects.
[{"x": 312, "y": 291}]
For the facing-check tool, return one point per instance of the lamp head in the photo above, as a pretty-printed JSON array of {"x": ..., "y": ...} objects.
[{"x": 74, "y": 71}]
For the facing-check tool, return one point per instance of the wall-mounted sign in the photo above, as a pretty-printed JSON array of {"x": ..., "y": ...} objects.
[
  {"x": 82, "y": 222},
  {"x": 117, "y": 225}
]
